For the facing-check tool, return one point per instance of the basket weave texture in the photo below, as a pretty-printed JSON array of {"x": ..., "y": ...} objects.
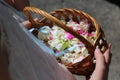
[{"x": 86, "y": 66}]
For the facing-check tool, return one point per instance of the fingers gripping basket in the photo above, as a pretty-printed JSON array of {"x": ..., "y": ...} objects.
[{"x": 86, "y": 66}]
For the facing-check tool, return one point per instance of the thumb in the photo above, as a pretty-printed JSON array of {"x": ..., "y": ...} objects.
[
  {"x": 99, "y": 71},
  {"x": 108, "y": 55},
  {"x": 100, "y": 60},
  {"x": 27, "y": 24}
]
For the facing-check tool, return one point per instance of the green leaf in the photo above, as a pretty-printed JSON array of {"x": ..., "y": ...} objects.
[{"x": 64, "y": 46}]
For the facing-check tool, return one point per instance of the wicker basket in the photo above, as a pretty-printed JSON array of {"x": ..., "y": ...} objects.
[{"x": 86, "y": 66}]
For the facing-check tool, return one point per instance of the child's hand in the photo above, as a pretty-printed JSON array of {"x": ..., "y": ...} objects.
[
  {"x": 28, "y": 24},
  {"x": 102, "y": 65}
]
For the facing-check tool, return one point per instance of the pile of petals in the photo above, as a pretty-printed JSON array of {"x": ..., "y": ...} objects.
[{"x": 59, "y": 40}]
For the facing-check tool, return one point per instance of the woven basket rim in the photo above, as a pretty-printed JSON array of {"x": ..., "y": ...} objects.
[
  {"x": 58, "y": 22},
  {"x": 49, "y": 16}
]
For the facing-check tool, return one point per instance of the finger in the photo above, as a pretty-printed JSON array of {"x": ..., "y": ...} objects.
[
  {"x": 99, "y": 71},
  {"x": 27, "y": 24},
  {"x": 107, "y": 55},
  {"x": 36, "y": 19},
  {"x": 100, "y": 60}
]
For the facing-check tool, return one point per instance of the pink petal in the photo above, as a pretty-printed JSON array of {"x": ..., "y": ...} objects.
[
  {"x": 90, "y": 34},
  {"x": 50, "y": 37},
  {"x": 80, "y": 31},
  {"x": 69, "y": 36},
  {"x": 78, "y": 26},
  {"x": 57, "y": 51}
]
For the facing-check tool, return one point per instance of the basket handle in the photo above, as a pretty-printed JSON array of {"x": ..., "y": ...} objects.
[{"x": 27, "y": 11}]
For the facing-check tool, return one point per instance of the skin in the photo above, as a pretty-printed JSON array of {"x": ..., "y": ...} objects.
[
  {"x": 102, "y": 65},
  {"x": 102, "y": 60}
]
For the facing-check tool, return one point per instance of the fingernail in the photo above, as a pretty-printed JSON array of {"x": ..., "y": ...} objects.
[
  {"x": 97, "y": 50},
  {"x": 97, "y": 47},
  {"x": 109, "y": 45}
]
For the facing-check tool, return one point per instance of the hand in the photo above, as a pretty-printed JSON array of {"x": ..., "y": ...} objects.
[
  {"x": 102, "y": 65},
  {"x": 28, "y": 24}
]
